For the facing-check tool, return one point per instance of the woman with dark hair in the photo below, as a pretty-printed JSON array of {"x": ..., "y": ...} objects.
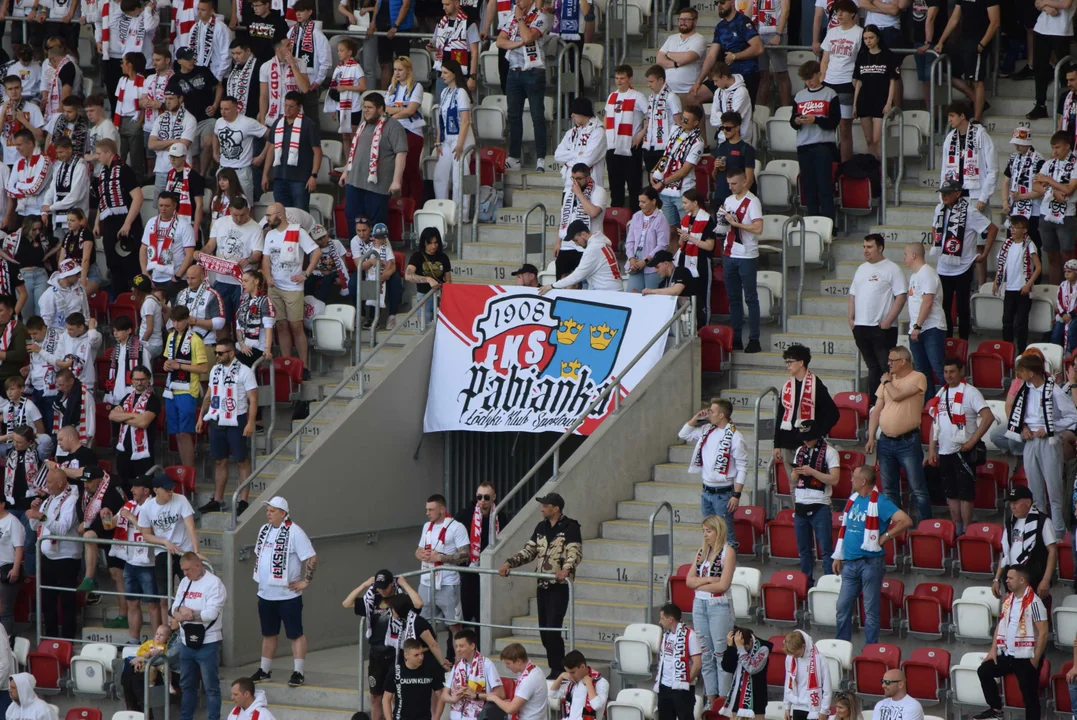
[
  {"x": 454, "y": 132},
  {"x": 228, "y": 188},
  {"x": 255, "y": 318},
  {"x": 648, "y": 232},
  {"x": 875, "y": 86},
  {"x": 429, "y": 267},
  {"x": 407, "y": 623},
  {"x": 746, "y": 657}
]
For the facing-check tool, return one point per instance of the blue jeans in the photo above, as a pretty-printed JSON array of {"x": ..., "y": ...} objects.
[
  {"x": 374, "y": 206},
  {"x": 230, "y": 295},
  {"x": 671, "y": 208},
  {"x": 202, "y": 664},
  {"x": 740, "y": 280},
  {"x": 817, "y": 177},
  {"x": 905, "y": 452},
  {"x": 36, "y": 281},
  {"x": 713, "y": 621},
  {"x": 529, "y": 84},
  {"x": 928, "y": 354},
  {"x": 819, "y": 526},
  {"x": 292, "y": 193},
  {"x": 863, "y": 576},
  {"x": 1058, "y": 334},
  {"x": 44, "y": 404},
  {"x": 717, "y": 503},
  {"x": 29, "y": 565},
  {"x": 640, "y": 280}
]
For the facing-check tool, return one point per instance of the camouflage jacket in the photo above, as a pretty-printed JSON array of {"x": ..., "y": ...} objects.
[{"x": 557, "y": 547}]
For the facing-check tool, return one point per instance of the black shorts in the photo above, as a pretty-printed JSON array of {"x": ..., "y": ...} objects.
[
  {"x": 115, "y": 562},
  {"x": 160, "y": 571},
  {"x": 273, "y": 613},
  {"x": 378, "y": 666},
  {"x": 975, "y": 65},
  {"x": 958, "y": 479},
  {"x": 389, "y": 49},
  {"x": 567, "y": 261}
]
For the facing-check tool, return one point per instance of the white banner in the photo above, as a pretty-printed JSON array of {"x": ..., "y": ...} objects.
[{"x": 508, "y": 360}]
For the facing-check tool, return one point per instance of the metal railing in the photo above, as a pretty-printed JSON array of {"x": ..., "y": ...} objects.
[
  {"x": 786, "y": 244},
  {"x": 245, "y": 552},
  {"x": 901, "y": 161},
  {"x": 530, "y": 239},
  {"x": 471, "y": 188},
  {"x": 574, "y": 77},
  {"x": 554, "y": 452},
  {"x": 166, "y": 677},
  {"x": 1060, "y": 66},
  {"x": 268, "y": 444},
  {"x": 648, "y": 609},
  {"x": 755, "y": 457},
  {"x": 298, "y": 433},
  {"x": 357, "y": 330}
]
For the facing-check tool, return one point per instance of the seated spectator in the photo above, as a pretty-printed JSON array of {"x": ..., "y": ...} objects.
[
  {"x": 647, "y": 234},
  {"x": 673, "y": 280},
  {"x": 733, "y": 153},
  {"x": 526, "y": 276},
  {"x": 598, "y": 265},
  {"x": 429, "y": 266},
  {"x": 580, "y": 689},
  {"x": 135, "y": 413},
  {"x": 64, "y": 296},
  {"x": 329, "y": 280},
  {"x": 816, "y": 116},
  {"x": 1018, "y": 269},
  {"x": 130, "y": 678},
  {"x": 73, "y": 407},
  {"x": 17, "y": 411},
  {"x": 1064, "y": 332},
  {"x": 185, "y": 363}
]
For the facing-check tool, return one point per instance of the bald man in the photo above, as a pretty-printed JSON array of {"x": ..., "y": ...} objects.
[
  {"x": 927, "y": 333},
  {"x": 282, "y": 264},
  {"x": 54, "y": 518},
  {"x": 898, "y": 704}
]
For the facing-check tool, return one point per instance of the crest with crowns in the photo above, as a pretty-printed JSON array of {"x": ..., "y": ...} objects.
[
  {"x": 602, "y": 336},
  {"x": 568, "y": 331}
]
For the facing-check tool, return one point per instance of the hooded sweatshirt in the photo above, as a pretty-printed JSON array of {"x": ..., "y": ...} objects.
[
  {"x": 29, "y": 706},
  {"x": 734, "y": 98},
  {"x": 598, "y": 266},
  {"x": 257, "y": 710},
  {"x": 57, "y": 302},
  {"x": 797, "y": 693}
]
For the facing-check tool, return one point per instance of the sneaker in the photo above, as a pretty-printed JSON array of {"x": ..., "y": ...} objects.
[
  {"x": 296, "y": 679},
  {"x": 540, "y": 165},
  {"x": 93, "y": 599},
  {"x": 1039, "y": 112},
  {"x": 989, "y": 714},
  {"x": 87, "y": 585},
  {"x": 306, "y": 374},
  {"x": 241, "y": 507},
  {"x": 261, "y": 675},
  {"x": 1025, "y": 73},
  {"x": 753, "y": 347},
  {"x": 367, "y": 322},
  {"x": 211, "y": 507},
  {"x": 391, "y": 322},
  {"x": 512, "y": 164},
  {"x": 116, "y": 622}
]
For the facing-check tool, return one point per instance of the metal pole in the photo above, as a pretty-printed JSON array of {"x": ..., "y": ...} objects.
[
  {"x": 357, "y": 351},
  {"x": 786, "y": 245},
  {"x": 362, "y": 665},
  {"x": 272, "y": 388},
  {"x": 571, "y": 613},
  {"x": 803, "y": 267},
  {"x": 755, "y": 458},
  {"x": 649, "y": 606},
  {"x": 607, "y": 54},
  {"x": 37, "y": 591},
  {"x": 1059, "y": 65},
  {"x": 556, "y": 463},
  {"x": 460, "y": 214}
]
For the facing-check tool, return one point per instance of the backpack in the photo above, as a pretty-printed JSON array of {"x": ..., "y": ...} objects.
[{"x": 490, "y": 201}]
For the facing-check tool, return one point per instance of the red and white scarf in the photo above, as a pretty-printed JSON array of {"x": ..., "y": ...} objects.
[
  {"x": 281, "y": 82},
  {"x": 159, "y": 253},
  {"x": 1069, "y": 115},
  {"x": 1026, "y": 261},
  {"x": 815, "y": 685},
  {"x": 475, "y": 534},
  {"x": 286, "y": 12},
  {"x": 588, "y": 711},
  {"x": 184, "y": 16},
  {"x": 789, "y": 402},
  {"x": 678, "y": 148},
  {"x": 110, "y": 189},
  {"x": 621, "y": 109},
  {"x": 463, "y": 674},
  {"x": 11, "y": 125},
  {"x": 182, "y": 187},
  {"x": 79, "y": 394},
  {"x": 350, "y": 73},
  {"x": 1066, "y": 304},
  {"x": 450, "y": 36},
  {"x": 52, "y": 102},
  {"x": 8, "y": 333},
  {"x": 15, "y": 415},
  {"x": 91, "y": 505},
  {"x": 532, "y": 59},
  {"x": 31, "y": 472},
  {"x": 30, "y": 176},
  {"x": 121, "y": 93},
  {"x": 657, "y": 106},
  {"x": 695, "y": 227},
  {"x": 53, "y": 506},
  {"x": 870, "y": 543},
  {"x": 154, "y": 89},
  {"x": 375, "y": 150},
  {"x": 954, "y": 410},
  {"x": 140, "y": 446},
  {"x": 733, "y": 236},
  {"x": 1021, "y": 643},
  {"x": 293, "y": 141},
  {"x": 132, "y": 354}
]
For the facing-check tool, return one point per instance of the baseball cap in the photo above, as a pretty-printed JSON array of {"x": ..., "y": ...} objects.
[
  {"x": 94, "y": 472},
  {"x": 160, "y": 480},
  {"x": 142, "y": 481},
  {"x": 583, "y": 106},
  {"x": 177, "y": 150},
  {"x": 552, "y": 499},
  {"x": 142, "y": 282},
  {"x": 1019, "y": 492},
  {"x": 950, "y": 185},
  {"x": 383, "y": 579},
  {"x": 317, "y": 232},
  {"x": 526, "y": 268},
  {"x": 185, "y": 54},
  {"x": 660, "y": 257},
  {"x": 277, "y": 502},
  {"x": 575, "y": 228},
  {"x": 380, "y": 230}
]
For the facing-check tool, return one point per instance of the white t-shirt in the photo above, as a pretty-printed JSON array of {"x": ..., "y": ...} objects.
[
  {"x": 972, "y": 402},
  {"x": 599, "y": 197},
  {"x": 976, "y": 225},
  {"x": 873, "y": 289},
  {"x": 907, "y": 708},
  {"x": 1015, "y": 265},
  {"x": 1061, "y": 25},
  {"x": 843, "y": 46},
  {"x": 152, "y": 308},
  {"x": 106, "y": 130},
  {"x": 235, "y": 242},
  {"x": 680, "y": 79},
  {"x": 237, "y": 140},
  {"x": 167, "y": 522},
  {"x": 534, "y": 690},
  {"x": 489, "y": 671},
  {"x": 667, "y": 659},
  {"x": 245, "y": 382},
  {"x": 446, "y": 537},
  {"x": 811, "y": 496},
  {"x": 163, "y": 162},
  {"x": 748, "y": 246},
  {"x": 925, "y": 281},
  {"x": 286, "y": 258},
  {"x": 164, "y": 270},
  {"x": 301, "y": 551},
  {"x": 32, "y": 413},
  {"x": 11, "y": 155},
  {"x": 12, "y": 535},
  {"x": 882, "y": 20}
]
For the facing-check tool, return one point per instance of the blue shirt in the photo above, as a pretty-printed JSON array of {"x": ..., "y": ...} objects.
[
  {"x": 733, "y": 35},
  {"x": 854, "y": 526}
]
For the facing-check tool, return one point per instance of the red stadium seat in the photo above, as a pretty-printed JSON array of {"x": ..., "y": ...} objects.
[
  {"x": 998, "y": 472},
  {"x": 124, "y": 304},
  {"x": 704, "y": 176},
  {"x": 855, "y": 195},
  {"x": 103, "y": 433},
  {"x": 782, "y": 541},
  {"x": 82, "y": 713},
  {"x": 891, "y": 602},
  {"x": 717, "y": 346},
  {"x": 979, "y": 548},
  {"x": 870, "y": 666},
  {"x": 991, "y": 364},
  {"x": 749, "y": 526},
  {"x": 1012, "y": 699},
  {"x": 926, "y": 421},
  {"x": 783, "y": 597},
  {"x": 99, "y": 307},
  {"x": 926, "y": 675},
  {"x": 852, "y": 416},
  {"x": 49, "y": 663},
  {"x": 958, "y": 348},
  {"x": 849, "y": 460},
  {"x": 615, "y": 226},
  {"x": 289, "y": 376},
  {"x": 776, "y": 666},
  {"x": 930, "y": 546},
  {"x": 1065, "y": 558},
  {"x": 782, "y": 489},
  {"x": 679, "y": 593},
  {"x": 401, "y": 216},
  {"x": 26, "y": 600},
  {"x": 340, "y": 219},
  {"x": 1060, "y": 690},
  {"x": 184, "y": 476},
  {"x": 927, "y": 608},
  {"x": 491, "y": 165}
]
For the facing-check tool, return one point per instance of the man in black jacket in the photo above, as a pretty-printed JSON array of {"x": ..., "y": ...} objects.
[
  {"x": 476, "y": 518},
  {"x": 803, "y": 397}
]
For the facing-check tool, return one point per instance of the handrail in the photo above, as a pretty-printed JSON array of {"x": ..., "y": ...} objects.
[
  {"x": 554, "y": 451},
  {"x": 755, "y": 458},
  {"x": 296, "y": 435},
  {"x": 1060, "y": 65},
  {"x": 648, "y": 609},
  {"x": 362, "y": 664},
  {"x": 566, "y": 49},
  {"x": 459, "y": 185},
  {"x": 357, "y": 330},
  {"x": 166, "y": 676},
  {"x": 939, "y": 62},
  {"x": 527, "y": 217},
  {"x": 901, "y": 161},
  {"x": 786, "y": 244},
  {"x": 245, "y": 551},
  {"x": 272, "y": 410}
]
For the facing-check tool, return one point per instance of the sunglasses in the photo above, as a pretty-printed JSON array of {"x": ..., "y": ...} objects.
[
  {"x": 888, "y": 683},
  {"x": 728, "y": 128},
  {"x": 480, "y": 497},
  {"x": 219, "y": 353}
]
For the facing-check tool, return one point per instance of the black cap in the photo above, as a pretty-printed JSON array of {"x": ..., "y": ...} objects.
[
  {"x": 94, "y": 472},
  {"x": 575, "y": 228},
  {"x": 142, "y": 282},
  {"x": 160, "y": 480},
  {"x": 185, "y": 53},
  {"x": 808, "y": 430},
  {"x": 552, "y": 499},
  {"x": 143, "y": 481},
  {"x": 583, "y": 106},
  {"x": 526, "y": 268},
  {"x": 660, "y": 257},
  {"x": 383, "y": 579},
  {"x": 950, "y": 185},
  {"x": 1019, "y": 492},
  {"x": 173, "y": 86}
]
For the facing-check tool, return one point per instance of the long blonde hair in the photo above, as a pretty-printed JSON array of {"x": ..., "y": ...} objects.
[
  {"x": 406, "y": 63},
  {"x": 716, "y": 524}
]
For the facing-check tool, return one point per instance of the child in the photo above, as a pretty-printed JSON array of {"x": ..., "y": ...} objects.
[
  {"x": 18, "y": 411},
  {"x": 131, "y": 678},
  {"x": 44, "y": 341},
  {"x": 64, "y": 295},
  {"x": 816, "y": 116},
  {"x": 746, "y": 657},
  {"x": 151, "y": 326},
  {"x": 78, "y": 350},
  {"x": 124, "y": 357},
  {"x": 346, "y": 88},
  {"x": 1018, "y": 269},
  {"x": 1064, "y": 332}
]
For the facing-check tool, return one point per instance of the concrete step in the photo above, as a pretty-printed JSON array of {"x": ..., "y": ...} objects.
[
  {"x": 531, "y": 178},
  {"x": 911, "y": 216},
  {"x": 763, "y": 379},
  {"x": 622, "y": 551},
  {"x": 847, "y": 270},
  {"x": 899, "y": 235},
  {"x": 510, "y": 235},
  {"x": 586, "y": 630},
  {"x": 612, "y": 612},
  {"x": 836, "y": 288},
  {"x": 623, "y": 571},
  {"x": 550, "y": 197},
  {"x": 590, "y": 649},
  {"x": 639, "y": 510},
  {"x": 683, "y": 533},
  {"x": 514, "y": 215},
  {"x": 683, "y": 493},
  {"x": 629, "y": 592},
  {"x": 210, "y": 540},
  {"x": 310, "y": 696},
  {"x": 502, "y": 252},
  {"x": 745, "y": 398},
  {"x": 674, "y": 474},
  {"x": 774, "y": 360},
  {"x": 838, "y": 346},
  {"x": 823, "y": 324},
  {"x": 852, "y": 250}
]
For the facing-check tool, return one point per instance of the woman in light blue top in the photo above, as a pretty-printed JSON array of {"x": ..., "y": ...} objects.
[{"x": 647, "y": 233}]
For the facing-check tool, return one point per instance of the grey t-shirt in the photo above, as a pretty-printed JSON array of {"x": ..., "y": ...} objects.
[{"x": 394, "y": 140}]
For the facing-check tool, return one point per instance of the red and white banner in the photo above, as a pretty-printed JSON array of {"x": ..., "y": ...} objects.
[
  {"x": 508, "y": 360},
  {"x": 220, "y": 266}
]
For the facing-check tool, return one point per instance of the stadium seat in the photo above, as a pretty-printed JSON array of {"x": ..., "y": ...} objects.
[
  {"x": 870, "y": 666},
  {"x": 289, "y": 376},
  {"x": 974, "y": 615},
  {"x": 930, "y": 546},
  {"x": 927, "y": 673},
  {"x": 704, "y": 179},
  {"x": 782, "y": 540},
  {"x": 615, "y": 225},
  {"x": 777, "y": 182},
  {"x": 849, "y": 460},
  {"x": 91, "y": 668},
  {"x": 745, "y": 591},
  {"x": 49, "y": 664},
  {"x": 986, "y": 311},
  {"x": 991, "y": 365},
  {"x": 679, "y": 593},
  {"x": 927, "y": 609},
  {"x": 717, "y": 346},
  {"x": 1064, "y": 621},
  {"x": 401, "y": 217},
  {"x": 776, "y": 666},
  {"x": 635, "y": 650},
  {"x": 966, "y": 692},
  {"x": 891, "y": 603},
  {"x": 781, "y": 490},
  {"x": 852, "y": 416},
  {"x": 1065, "y": 558},
  {"x": 1012, "y": 699},
  {"x": 633, "y": 704},
  {"x": 124, "y": 304},
  {"x": 103, "y": 433},
  {"x": 22, "y": 650},
  {"x": 1060, "y": 692},
  {"x": 128, "y": 715},
  {"x": 83, "y": 713},
  {"x": 854, "y": 197},
  {"x": 783, "y": 597},
  {"x": 958, "y": 348},
  {"x": 185, "y": 478},
  {"x": 980, "y": 546},
  {"x": 823, "y": 601},
  {"x": 839, "y": 655},
  {"x": 749, "y": 526}
]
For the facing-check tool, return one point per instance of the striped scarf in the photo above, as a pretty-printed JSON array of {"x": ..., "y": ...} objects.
[
  {"x": 741, "y": 697},
  {"x": 675, "y": 646},
  {"x": 656, "y": 112},
  {"x": 1047, "y": 408},
  {"x": 121, "y": 92},
  {"x": 52, "y": 102},
  {"x": 15, "y": 415},
  {"x": 789, "y": 402},
  {"x": 30, "y": 463},
  {"x": 293, "y": 140},
  {"x": 375, "y": 150},
  {"x": 238, "y": 83},
  {"x": 70, "y": 410},
  {"x": 1026, "y": 261},
  {"x": 870, "y": 543},
  {"x": 370, "y": 605},
  {"x": 815, "y": 685},
  {"x": 132, "y": 353},
  {"x": 91, "y": 504},
  {"x": 140, "y": 447},
  {"x": 282, "y": 552},
  {"x": 182, "y": 186}
]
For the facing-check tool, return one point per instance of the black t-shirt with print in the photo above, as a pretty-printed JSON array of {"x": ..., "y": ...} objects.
[
  {"x": 874, "y": 71},
  {"x": 264, "y": 33},
  {"x": 114, "y": 499},
  {"x": 199, "y": 89},
  {"x": 738, "y": 156},
  {"x": 680, "y": 277},
  {"x": 432, "y": 266},
  {"x": 413, "y": 689},
  {"x": 377, "y": 632},
  {"x": 918, "y": 11}
]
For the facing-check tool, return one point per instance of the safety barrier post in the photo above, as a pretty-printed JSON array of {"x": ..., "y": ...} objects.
[{"x": 648, "y": 610}]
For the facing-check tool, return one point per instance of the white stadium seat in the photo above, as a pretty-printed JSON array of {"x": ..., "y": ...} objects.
[
  {"x": 90, "y": 669},
  {"x": 633, "y": 704},
  {"x": 986, "y": 311},
  {"x": 823, "y": 601},
  {"x": 636, "y": 649},
  {"x": 974, "y": 615}
]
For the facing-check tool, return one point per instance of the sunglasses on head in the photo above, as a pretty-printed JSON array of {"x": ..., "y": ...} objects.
[{"x": 483, "y": 496}]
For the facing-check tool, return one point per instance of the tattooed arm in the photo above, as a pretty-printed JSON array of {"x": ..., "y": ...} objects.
[{"x": 309, "y": 566}]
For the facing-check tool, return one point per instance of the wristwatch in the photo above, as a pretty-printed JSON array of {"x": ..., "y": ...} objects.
[
  {"x": 916, "y": 326},
  {"x": 314, "y": 175},
  {"x": 676, "y": 64}
]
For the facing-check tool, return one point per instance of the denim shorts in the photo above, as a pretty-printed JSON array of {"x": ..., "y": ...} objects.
[
  {"x": 181, "y": 412},
  {"x": 272, "y": 613},
  {"x": 139, "y": 580}
]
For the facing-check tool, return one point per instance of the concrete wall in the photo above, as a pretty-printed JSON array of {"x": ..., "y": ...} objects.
[
  {"x": 601, "y": 473},
  {"x": 367, "y": 473}
]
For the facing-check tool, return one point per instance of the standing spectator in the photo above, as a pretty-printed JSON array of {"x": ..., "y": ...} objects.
[
  {"x": 1067, "y": 104},
  {"x": 203, "y": 303},
  {"x": 381, "y": 145},
  {"x": 840, "y": 49},
  {"x": 584, "y": 142},
  {"x": 624, "y": 134},
  {"x": 265, "y": 27},
  {"x": 67, "y": 192},
  {"x": 233, "y": 391},
  {"x": 1018, "y": 269},
  {"x": 311, "y": 49},
  {"x": 898, "y": 404},
  {"x": 12, "y": 555},
  {"x": 347, "y": 85},
  {"x": 18, "y": 114},
  {"x": 409, "y": 689},
  {"x": 958, "y": 233},
  {"x": 70, "y": 122},
  {"x": 968, "y": 153},
  {"x": 166, "y": 520},
  {"x": 897, "y": 702},
  {"x": 152, "y": 98},
  {"x": 403, "y": 103},
  {"x": 210, "y": 39},
  {"x": 127, "y": 112},
  {"x": 1021, "y": 634},
  {"x": 167, "y": 245},
  {"x": 648, "y": 232},
  {"x": 720, "y": 457},
  {"x": 100, "y": 501},
  {"x": 13, "y": 338},
  {"x": 455, "y": 137},
  {"x": 282, "y": 265},
  {"x": 747, "y": 658},
  {"x": 860, "y": 547},
  {"x": 136, "y": 413},
  {"x": 185, "y": 363},
  {"x": 118, "y": 222},
  {"x": 980, "y": 22},
  {"x": 529, "y": 700},
  {"x": 482, "y": 528},
  {"x": 297, "y": 155},
  {"x": 233, "y": 145},
  {"x": 138, "y": 575},
  {"x": 743, "y": 214},
  {"x": 953, "y": 439},
  {"x": 772, "y": 20},
  {"x": 52, "y": 518},
  {"x": 196, "y": 613},
  {"x": 18, "y": 411},
  {"x": 240, "y": 80},
  {"x": 929, "y": 19},
  {"x": 1019, "y": 195},
  {"x": 28, "y": 182},
  {"x": 31, "y": 339},
  {"x": 1052, "y": 34},
  {"x": 663, "y": 115},
  {"x": 173, "y": 125},
  {"x": 581, "y": 690},
  {"x": 675, "y": 173},
  {"x": 472, "y": 675},
  {"x": 202, "y": 93},
  {"x": 1057, "y": 183},
  {"x": 151, "y": 321},
  {"x": 1028, "y": 541},
  {"x": 876, "y": 297},
  {"x": 284, "y": 567},
  {"x": 63, "y": 297},
  {"x": 456, "y": 36},
  {"x": 804, "y": 397},
  {"x": 679, "y": 663},
  {"x": 736, "y": 43},
  {"x": 926, "y": 340},
  {"x": 598, "y": 265},
  {"x": 816, "y": 116},
  {"x": 808, "y": 688},
  {"x": 557, "y": 541},
  {"x": 734, "y": 153},
  {"x": 280, "y": 75},
  {"x": 816, "y": 470},
  {"x": 388, "y": 276},
  {"x": 237, "y": 238},
  {"x": 390, "y": 17},
  {"x": 407, "y": 624},
  {"x": 1064, "y": 332},
  {"x": 33, "y": 248},
  {"x": 27, "y": 484},
  {"x": 876, "y": 81},
  {"x": 73, "y": 408},
  {"x": 444, "y": 541},
  {"x": 681, "y": 55},
  {"x": 730, "y": 95},
  {"x": 585, "y": 201},
  {"x": 712, "y": 610}
]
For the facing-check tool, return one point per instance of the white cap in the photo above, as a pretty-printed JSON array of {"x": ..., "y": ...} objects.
[
  {"x": 277, "y": 502},
  {"x": 1021, "y": 136},
  {"x": 317, "y": 232},
  {"x": 177, "y": 150},
  {"x": 68, "y": 268}
]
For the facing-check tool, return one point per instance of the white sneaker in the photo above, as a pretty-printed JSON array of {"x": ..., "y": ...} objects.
[
  {"x": 391, "y": 322},
  {"x": 540, "y": 165},
  {"x": 512, "y": 164}
]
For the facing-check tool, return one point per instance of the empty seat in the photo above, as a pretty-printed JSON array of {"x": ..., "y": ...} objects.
[
  {"x": 633, "y": 704},
  {"x": 90, "y": 669},
  {"x": 636, "y": 648},
  {"x": 49, "y": 663},
  {"x": 749, "y": 525},
  {"x": 980, "y": 546},
  {"x": 745, "y": 591},
  {"x": 839, "y": 654},
  {"x": 927, "y": 610},
  {"x": 930, "y": 546},
  {"x": 781, "y": 538},
  {"x": 1065, "y": 625},
  {"x": 965, "y": 683},
  {"x": 852, "y": 416},
  {"x": 823, "y": 601},
  {"x": 783, "y": 597},
  {"x": 974, "y": 614},
  {"x": 679, "y": 593}
]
